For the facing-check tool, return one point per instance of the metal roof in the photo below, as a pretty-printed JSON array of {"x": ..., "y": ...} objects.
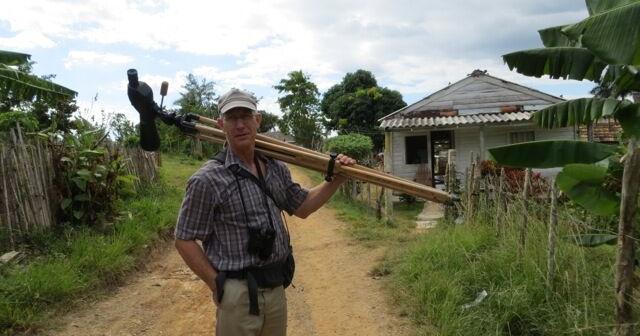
[{"x": 460, "y": 120}]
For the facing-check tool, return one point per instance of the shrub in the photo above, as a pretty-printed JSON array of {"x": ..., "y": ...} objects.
[
  {"x": 89, "y": 178},
  {"x": 514, "y": 177},
  {"x": 8, "y": 120},
  {"x": 355, "y": 145}
]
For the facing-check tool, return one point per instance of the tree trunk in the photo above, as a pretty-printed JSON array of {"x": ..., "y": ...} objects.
[{"x": 625, "y": 259}]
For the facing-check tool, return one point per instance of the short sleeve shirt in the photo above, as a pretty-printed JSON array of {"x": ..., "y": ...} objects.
[{"x": 220, "y": 205}]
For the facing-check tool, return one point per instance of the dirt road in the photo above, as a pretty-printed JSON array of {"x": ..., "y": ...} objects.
[{"x": 167, "y": 299}]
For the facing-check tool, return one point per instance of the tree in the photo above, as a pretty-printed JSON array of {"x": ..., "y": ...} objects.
[
  {"x": 300, "y": 108},
  {"x": 123, "y": 129},
  {"x": 356, "y": 104},
  {"x": 199, "y": 97},
  {"x": 269, "y": 121},
  {"x": 604, "y": 48},
  {"x": 20, "y": 90}
]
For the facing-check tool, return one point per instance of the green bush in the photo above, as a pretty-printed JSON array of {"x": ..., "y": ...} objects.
[
  {"x": 90, "y": 177},
  {"x": 355, "y": 145}
]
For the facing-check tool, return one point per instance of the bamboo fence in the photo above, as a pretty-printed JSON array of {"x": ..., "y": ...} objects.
[{"x": 28, "y": 197}]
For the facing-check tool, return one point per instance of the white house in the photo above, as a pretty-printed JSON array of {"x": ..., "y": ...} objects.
[{"x": 471, "y": 115}]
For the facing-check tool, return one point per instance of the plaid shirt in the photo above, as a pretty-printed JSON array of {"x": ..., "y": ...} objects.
[{"x": 212, "y": 211}]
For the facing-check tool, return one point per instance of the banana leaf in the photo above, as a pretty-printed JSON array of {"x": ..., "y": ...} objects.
[
  {"x": 550, "y": 154},
  {"x": 29, "y": 85},
  {"x": 582, "y": 183},
  {"x": 629, "y": 119},
  {"x": 557, "y": 62},
  {"x": 622, "y": 79},
  {"x": 554, "y": 37},
  {"x": 582, "y": 111},
  {"x": 13, "y": 58},
  {"x": 599, "y": 6},
  {"x": 611, "y": 33}
]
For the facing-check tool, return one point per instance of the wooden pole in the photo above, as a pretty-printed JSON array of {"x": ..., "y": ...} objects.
[
  {"x": 500, "y": 203},
  {"x": 525, "y": 215},
  {"x": 471, "y": 188},
  {"x": 551, "y": 250}
]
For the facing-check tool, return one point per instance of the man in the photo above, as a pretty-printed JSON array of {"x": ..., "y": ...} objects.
[{"x": 233, "y": 205}]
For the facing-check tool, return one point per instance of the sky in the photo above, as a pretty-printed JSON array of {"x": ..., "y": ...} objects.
[{"x": 414, "y": 47}]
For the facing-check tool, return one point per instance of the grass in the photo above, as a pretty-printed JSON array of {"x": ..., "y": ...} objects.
[
  {"x": 431, "y": 276},
  {"x": 78, "y": 261},
  {"x": 441, "y": 271},
  {"x": 365, "y": 226}
]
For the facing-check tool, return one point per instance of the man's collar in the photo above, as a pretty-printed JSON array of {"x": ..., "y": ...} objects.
[{"x": 234, "y": 160}]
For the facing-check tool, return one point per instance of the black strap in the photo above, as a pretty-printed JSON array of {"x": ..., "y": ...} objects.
[
  {"x": 252, "y": 285},
  {"x": 220, "y": 280},
  {"x": 263, "y": 186},
  {"x": 330, "y": 166}
]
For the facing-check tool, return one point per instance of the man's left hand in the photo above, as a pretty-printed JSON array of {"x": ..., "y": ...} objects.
[{"x": 345, "y": 160}]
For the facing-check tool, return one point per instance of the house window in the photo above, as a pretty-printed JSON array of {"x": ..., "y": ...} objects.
[
  {"x": 518, "y": 137},
  {"x": 417, "y": 150}
]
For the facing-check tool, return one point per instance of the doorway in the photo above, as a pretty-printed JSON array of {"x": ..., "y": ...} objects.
[{"x": 441, "y": 143}]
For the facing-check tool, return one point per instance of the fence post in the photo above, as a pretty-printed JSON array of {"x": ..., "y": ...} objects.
[
  {"x": 553, "y": 223},
  {"x": 451, "y": 171},
  {"x": 525, "y": 208},
  {"x": 471, "y": 184},
  {"x": 6, "y": 198},
  {"x": 500, "y": 206}
]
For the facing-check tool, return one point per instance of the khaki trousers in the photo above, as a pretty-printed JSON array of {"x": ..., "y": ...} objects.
[{"x": 233, "y": 318}]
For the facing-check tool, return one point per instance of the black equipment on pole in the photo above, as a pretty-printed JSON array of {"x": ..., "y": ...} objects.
[{"x": 141, "y": 97}]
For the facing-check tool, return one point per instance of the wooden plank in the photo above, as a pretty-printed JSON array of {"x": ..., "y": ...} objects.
[{"x": 6, "y": 197}]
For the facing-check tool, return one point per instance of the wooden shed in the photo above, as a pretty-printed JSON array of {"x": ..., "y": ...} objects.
[{"x": 471, "y": 115}]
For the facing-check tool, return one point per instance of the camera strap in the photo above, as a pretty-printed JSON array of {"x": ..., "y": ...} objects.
[{"x": 263, "y": 186}]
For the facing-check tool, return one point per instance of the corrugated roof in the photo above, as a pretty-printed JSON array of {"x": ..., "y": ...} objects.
[
  {"x": 477, "y": 94},
  {"x": 464, "y": 120}
]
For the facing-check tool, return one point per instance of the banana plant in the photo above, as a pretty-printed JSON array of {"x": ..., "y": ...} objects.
[
  {"x": 25, "y": 84},
  {"x": 603, "y": 48}
]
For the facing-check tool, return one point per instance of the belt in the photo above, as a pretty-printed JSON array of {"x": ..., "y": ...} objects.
[{"x": 264, "y": 277}]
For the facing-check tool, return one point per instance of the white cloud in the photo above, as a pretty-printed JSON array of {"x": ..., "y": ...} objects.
[
  {"x": 92, "y": 58},
  {"x": 26, "y": 40},
  {"x": 415, "y": 47}
]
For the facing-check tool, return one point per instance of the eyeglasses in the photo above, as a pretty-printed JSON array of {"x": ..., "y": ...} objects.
[{"x": 234, "y": 118}]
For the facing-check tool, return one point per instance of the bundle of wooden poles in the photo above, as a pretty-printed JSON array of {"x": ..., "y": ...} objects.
[{"x": 207, "y": 130}]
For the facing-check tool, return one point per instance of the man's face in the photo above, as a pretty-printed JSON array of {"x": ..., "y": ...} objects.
[{"x": 240, "y": 125}]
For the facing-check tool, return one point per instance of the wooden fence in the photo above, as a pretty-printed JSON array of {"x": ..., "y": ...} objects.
[{"x": 28, "y": 197}]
